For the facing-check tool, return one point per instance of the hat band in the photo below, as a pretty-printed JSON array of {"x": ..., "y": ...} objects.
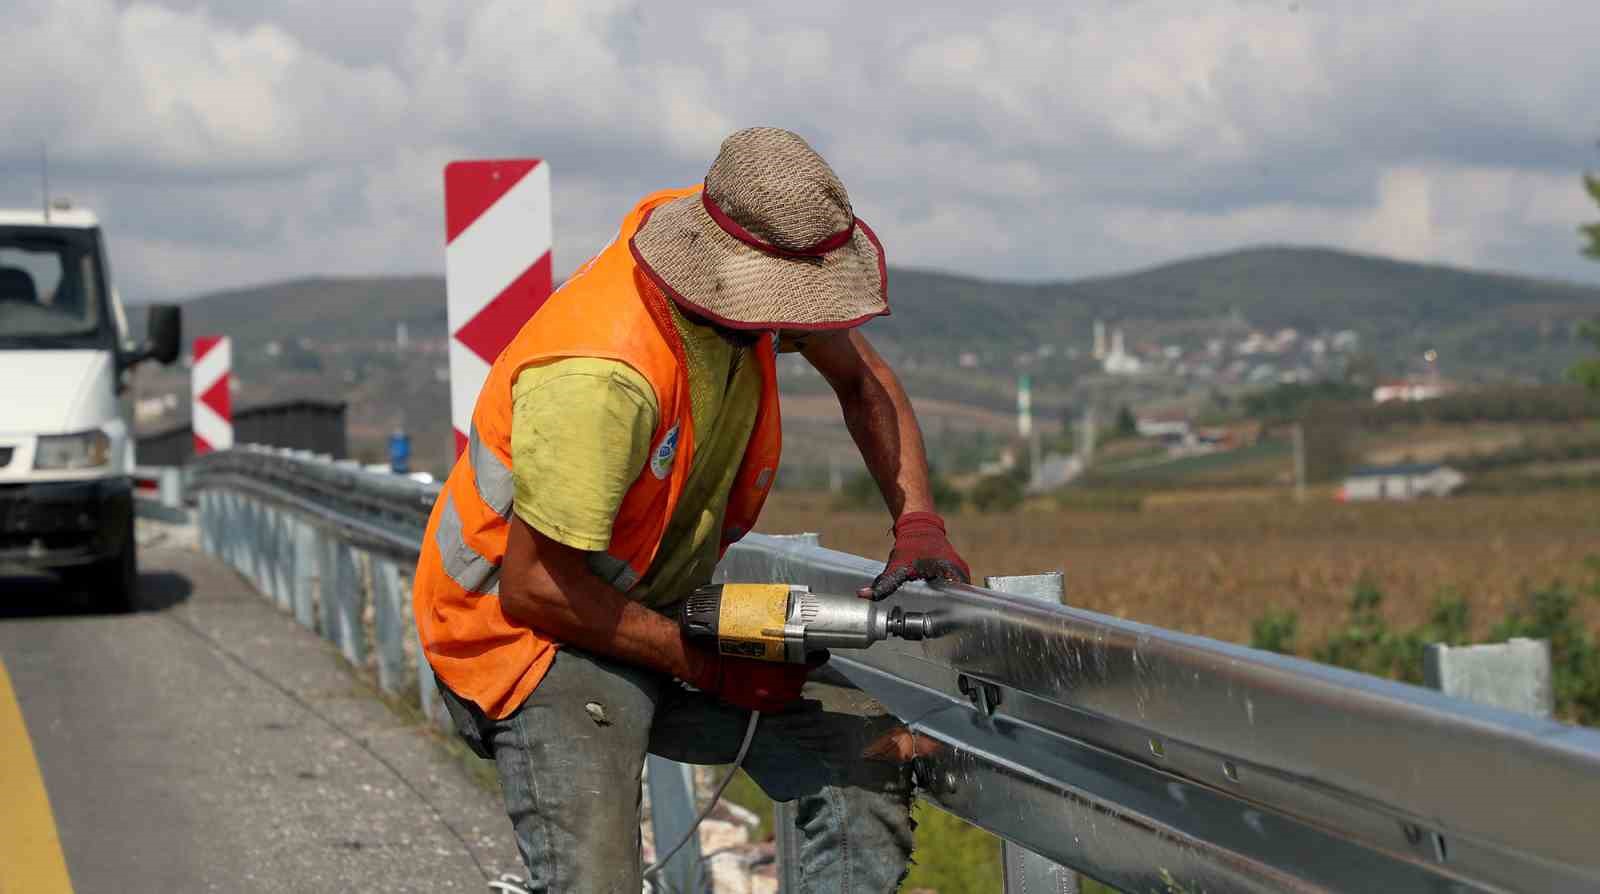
[{"x": 732, "y": 228}]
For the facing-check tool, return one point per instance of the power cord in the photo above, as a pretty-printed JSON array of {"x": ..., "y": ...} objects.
[{"x": 738, "y": 761}]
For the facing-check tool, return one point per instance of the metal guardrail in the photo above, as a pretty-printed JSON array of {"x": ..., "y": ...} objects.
[
  {"x": 301, "y": 424},
  {"x": 1149, "y": 759}
]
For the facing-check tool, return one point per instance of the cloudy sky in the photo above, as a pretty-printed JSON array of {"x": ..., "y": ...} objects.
[{"x": 227, "y": 142}]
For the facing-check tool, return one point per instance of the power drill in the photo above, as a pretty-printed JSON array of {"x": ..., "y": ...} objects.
[{"x": 785, "y": 622}]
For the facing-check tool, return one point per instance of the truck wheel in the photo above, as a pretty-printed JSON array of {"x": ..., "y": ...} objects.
[
  {"x": 121, "y": 588},
  {"x": 114, "y": 583}
]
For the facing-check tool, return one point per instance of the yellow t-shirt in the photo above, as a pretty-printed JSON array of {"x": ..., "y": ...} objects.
[{"x": 580, "y": 435}]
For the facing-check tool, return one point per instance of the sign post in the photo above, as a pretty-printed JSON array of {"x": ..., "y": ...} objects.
[
  {"x": 211, "y": 419},
  {"x": 497, "y": 267}
]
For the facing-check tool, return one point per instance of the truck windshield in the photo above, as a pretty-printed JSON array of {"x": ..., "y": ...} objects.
[{"x": 49, "y": 287}]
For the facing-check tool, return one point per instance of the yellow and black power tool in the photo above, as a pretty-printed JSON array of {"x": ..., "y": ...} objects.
[{"x": 786, "y": 622}]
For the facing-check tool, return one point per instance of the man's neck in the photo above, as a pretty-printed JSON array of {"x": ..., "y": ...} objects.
[{"x": 739, "y": 338}]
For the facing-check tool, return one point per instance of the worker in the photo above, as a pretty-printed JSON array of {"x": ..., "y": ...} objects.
[{"x": 627, "y": 436}]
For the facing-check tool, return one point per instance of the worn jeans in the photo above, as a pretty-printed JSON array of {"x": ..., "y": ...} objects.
[{"x": 570, "y": 761}]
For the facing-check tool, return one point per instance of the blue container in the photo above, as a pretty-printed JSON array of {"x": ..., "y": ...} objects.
[{"x": 400, "y": 453}]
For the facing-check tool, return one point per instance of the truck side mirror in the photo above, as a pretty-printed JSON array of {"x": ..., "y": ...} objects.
[{"x": 166, "y": 332}]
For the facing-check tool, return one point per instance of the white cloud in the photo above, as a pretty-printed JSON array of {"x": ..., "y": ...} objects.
[{"x": 227, "y": 141}]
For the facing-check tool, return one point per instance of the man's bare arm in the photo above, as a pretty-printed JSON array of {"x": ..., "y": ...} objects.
[
  {"x": 548, "y": 586},
  {"x": 879, "y": 416}
]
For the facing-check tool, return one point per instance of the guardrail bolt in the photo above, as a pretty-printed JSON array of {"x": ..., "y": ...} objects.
[
  {"x": 927, "y": 776},
  {"x": 984, "y": 695}
]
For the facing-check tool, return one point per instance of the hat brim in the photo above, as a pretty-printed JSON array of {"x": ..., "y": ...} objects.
[{"x": 711, "y": 273}]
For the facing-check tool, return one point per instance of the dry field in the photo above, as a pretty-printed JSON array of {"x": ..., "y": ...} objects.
[
  {"x": 1438, "y": 442},
  {"x": 1211, "y": 567}
]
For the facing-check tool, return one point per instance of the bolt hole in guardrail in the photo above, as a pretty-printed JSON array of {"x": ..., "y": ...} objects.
[{"x": 1230, "y": 770}]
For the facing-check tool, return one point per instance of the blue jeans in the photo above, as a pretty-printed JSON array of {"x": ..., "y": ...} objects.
[{"x": 570, "y": 761}]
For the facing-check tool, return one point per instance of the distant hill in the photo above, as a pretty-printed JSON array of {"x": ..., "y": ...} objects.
[
  {"x": 1480, "y": 322},
  {"x": 1485, "y": 325}
]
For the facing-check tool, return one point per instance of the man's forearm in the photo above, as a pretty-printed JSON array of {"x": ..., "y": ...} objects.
[
  {"x": 550, "y": 588},
  {"x": 878, "y": 413}
]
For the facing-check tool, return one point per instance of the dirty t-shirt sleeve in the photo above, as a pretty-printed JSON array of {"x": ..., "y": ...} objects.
[{"x": 580, "y": 433}]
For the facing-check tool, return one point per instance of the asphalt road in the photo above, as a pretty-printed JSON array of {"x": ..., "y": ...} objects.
[{"x": 207, "y": 743}]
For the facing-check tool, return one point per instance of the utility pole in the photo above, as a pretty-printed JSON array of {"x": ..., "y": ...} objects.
[
  {"x": 1299, "y": 463},
  {"x": 1086, "y": 443},
  {"x": 1025, "y": 426}
]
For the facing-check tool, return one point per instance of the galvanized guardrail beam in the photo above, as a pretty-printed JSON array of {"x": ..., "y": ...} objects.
[
  {"x": 1149, "y": 759},
  {"x": 1218, "y": 767}
]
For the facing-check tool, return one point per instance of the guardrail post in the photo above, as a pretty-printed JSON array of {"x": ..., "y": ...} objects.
[
  {"x": 170, "y": 487},
  {"x": 232, "y": 530},
  {"x": 238, "y": 538},
  {"x": 785, "y": 821},
  {"x": 281, "y": 573},
  {"x": 1513, "y": 675},
  {"x": 260, "y": 547},
  {"x": 340, "y": 596},
  {"x": 390, "y": 614},
  {"x": 1024, "y": 870},
  {"x": 428, "y": 698},
  {"x": 224, "y": 524},
  {"x": 207, "y": 512},
  {"x": 672, "y": 811},
  {"x": 306, "y": 574},
  {"x": 786, "y": 841}
]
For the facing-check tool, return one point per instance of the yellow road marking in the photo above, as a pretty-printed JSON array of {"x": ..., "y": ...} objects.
[{"x": 30, "y": 850}]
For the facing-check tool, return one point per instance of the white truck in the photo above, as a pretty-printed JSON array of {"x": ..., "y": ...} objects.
[{"x": 66, "y": 439}]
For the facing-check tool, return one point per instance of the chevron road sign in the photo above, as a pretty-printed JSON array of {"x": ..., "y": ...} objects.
[
  {"x": 497, "y": 267},
  {"x": 212, "y": 376}
]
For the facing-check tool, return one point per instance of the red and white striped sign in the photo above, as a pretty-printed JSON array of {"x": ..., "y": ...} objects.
[
  {"x": 212, "y": 376},
  {"x": 497, "y": 267}
]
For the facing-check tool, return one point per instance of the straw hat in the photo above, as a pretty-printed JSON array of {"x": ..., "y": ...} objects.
[{"x": 769, "y": 243}]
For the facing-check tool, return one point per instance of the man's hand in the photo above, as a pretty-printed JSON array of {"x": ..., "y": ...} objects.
[
  {"x": 765, "y": 686},
  {"x": 921, "y": 552}
]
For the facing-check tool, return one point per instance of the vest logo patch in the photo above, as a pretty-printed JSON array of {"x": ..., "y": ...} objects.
[{"x": 661, "y": 460}]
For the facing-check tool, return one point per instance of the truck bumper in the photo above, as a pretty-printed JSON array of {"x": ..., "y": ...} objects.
[{"x": 60, "y": 524}]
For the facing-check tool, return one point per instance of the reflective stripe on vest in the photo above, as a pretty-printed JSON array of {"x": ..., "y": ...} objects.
[
  {"x": 493, "y": 479},
  {"x": 496, "y": 486},
  {"x": 470, "y": 571}
]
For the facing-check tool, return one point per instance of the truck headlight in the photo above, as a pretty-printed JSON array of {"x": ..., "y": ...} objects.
[{"x": 84, "y": 450}]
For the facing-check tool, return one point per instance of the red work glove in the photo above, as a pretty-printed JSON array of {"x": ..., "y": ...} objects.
[
  {"x": 752, "y": 684},
  {"x": 921, "y": 552}
]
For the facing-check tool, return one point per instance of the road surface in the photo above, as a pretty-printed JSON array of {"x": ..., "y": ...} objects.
[{"x": 207, "y": 743}]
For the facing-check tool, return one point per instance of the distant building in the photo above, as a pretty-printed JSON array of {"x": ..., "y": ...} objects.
[
  {"x": 1345, "y": 341},
  {"x": 1173, "y": 426},
  {"x": 1099, "y": 340},
  {"x": 1401, "y": 482},
  {"x": 1119, "y": 362},
  {"x": 1408, "y": 390}
]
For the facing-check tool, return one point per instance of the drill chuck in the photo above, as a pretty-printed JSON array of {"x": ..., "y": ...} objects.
[{"x": 785, "y": 622}]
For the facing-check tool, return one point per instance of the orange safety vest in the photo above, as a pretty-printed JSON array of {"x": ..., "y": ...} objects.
[{"x": 608, "y": 309}]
